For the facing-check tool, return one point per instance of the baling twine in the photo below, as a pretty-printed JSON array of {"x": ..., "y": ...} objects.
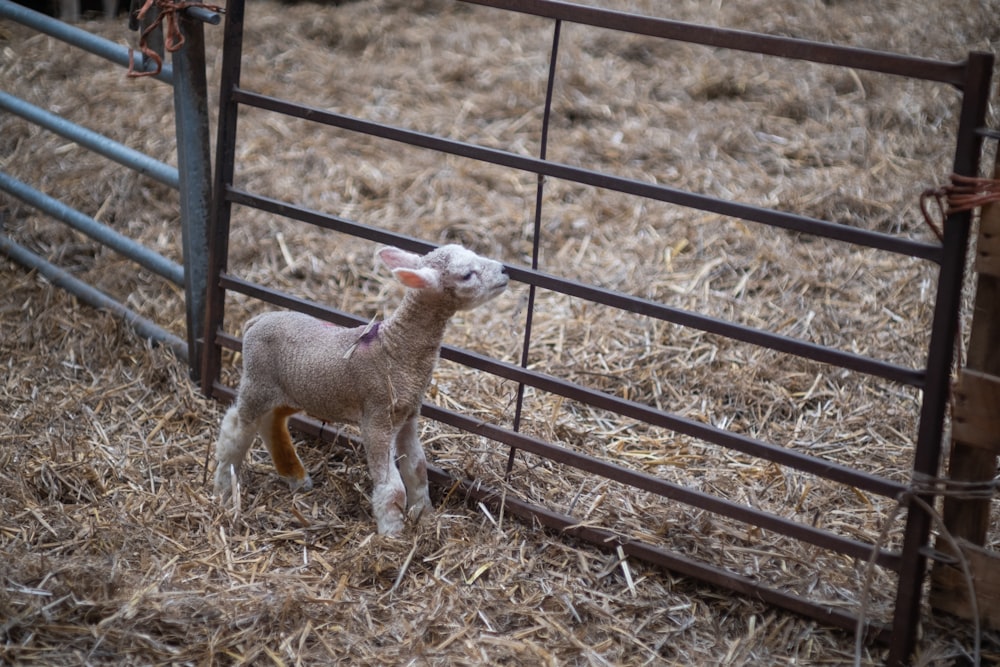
[
  {"x": 173, "y": 38},
  {"x": 920, "y": 487},
  {"x": 965, "y": 193}
]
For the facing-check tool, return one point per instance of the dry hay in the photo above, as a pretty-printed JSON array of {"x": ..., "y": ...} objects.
[{"x": 113, "y": 550}]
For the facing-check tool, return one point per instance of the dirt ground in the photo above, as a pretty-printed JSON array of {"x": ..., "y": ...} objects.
[{"x": 113, "y": 550}]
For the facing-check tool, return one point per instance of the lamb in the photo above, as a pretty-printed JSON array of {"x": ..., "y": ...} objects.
[{"x": 373, "y": 376}]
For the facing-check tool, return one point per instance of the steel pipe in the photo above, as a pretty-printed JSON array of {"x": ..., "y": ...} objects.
[
  {"x": 122, "y": 244},
  {"x": 109, "y": 148},
  {"x": 91, "y": 295}
]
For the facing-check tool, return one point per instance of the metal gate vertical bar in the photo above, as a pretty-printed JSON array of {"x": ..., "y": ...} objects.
[
  {"x": 225, "y": 168},
  {"x": 537, "y": 232},
  {"x": 944, "y": 329}
]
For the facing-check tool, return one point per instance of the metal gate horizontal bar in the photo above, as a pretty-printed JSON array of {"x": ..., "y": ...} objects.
[
  {"x": 695, "y": 429},
  {"x": 647, "y": 482},
  {"x": 116, "y": 53},
  {"x": 137, "y": 252},
  {"x": 655, "y": 191},
  {"x": 92, "y": 296},
  {"x": 773, "y": 341},
  {"x": 772, "y": 45},
  {"x": 120, "y": 153},
  {"x": 745, "y": 444},
  {"x": 607, "y": 540}
]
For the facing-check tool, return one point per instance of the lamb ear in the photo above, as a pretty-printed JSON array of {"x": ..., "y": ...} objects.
[
  {"x": 394, "y": 258},
  {"x": 417, "y": 278}
]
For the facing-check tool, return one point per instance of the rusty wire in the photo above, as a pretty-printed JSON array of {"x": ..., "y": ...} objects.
[
  {"x": 920, "y": 492},
  {"x": 173, "y": 38},
  {"x": 965, "y": 193}
]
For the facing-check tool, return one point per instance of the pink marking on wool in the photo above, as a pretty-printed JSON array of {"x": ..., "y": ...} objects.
[{"x": 369, "y": 336}]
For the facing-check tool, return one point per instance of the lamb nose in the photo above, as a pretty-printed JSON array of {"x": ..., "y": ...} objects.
[{"x": 503, "y": 270}]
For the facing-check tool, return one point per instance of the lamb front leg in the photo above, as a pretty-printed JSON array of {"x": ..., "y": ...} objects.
[
  {"x": 413, "y": 470},
  {"x": 388, "y": 492}
]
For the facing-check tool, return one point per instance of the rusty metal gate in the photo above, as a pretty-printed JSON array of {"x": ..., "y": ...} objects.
[{"x": 971, "y": 77}]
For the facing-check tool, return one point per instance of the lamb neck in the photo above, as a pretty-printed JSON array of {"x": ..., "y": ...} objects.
[{"x": 415, "y": 330}]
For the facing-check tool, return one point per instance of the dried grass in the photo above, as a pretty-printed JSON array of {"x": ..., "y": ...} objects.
[{"x": 113, "y": 549}]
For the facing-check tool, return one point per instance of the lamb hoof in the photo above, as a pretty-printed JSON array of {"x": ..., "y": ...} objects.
[
  {"x": 391, "y": 526},
  {"x": 418, "y": 512},
  {"x": 296, "y": 484},
  {"x": 223, "y": 482}
]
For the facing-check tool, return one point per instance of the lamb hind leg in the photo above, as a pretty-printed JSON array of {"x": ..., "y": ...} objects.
[{"x": 274, "y": 431}]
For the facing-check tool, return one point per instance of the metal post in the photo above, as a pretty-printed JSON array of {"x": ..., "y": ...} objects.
[
  {"x": 927, "y": 456},
  {"x": 194, "y": 164}
]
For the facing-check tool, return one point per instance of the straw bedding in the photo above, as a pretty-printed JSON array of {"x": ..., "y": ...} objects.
[{"x": 113, "y": 549}]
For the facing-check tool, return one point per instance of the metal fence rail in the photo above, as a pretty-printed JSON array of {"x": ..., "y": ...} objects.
[
  {"x": 971, "y": 76},
  {"x": 192, "y": 179}
]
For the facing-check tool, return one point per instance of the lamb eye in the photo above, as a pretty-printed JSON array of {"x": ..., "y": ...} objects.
[{"x": 468, "y": 276}]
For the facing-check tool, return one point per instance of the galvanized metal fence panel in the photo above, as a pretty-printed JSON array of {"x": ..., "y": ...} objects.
[
  {"x": 192, "y": 177},
  {"x": 971, "y": 77}
]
